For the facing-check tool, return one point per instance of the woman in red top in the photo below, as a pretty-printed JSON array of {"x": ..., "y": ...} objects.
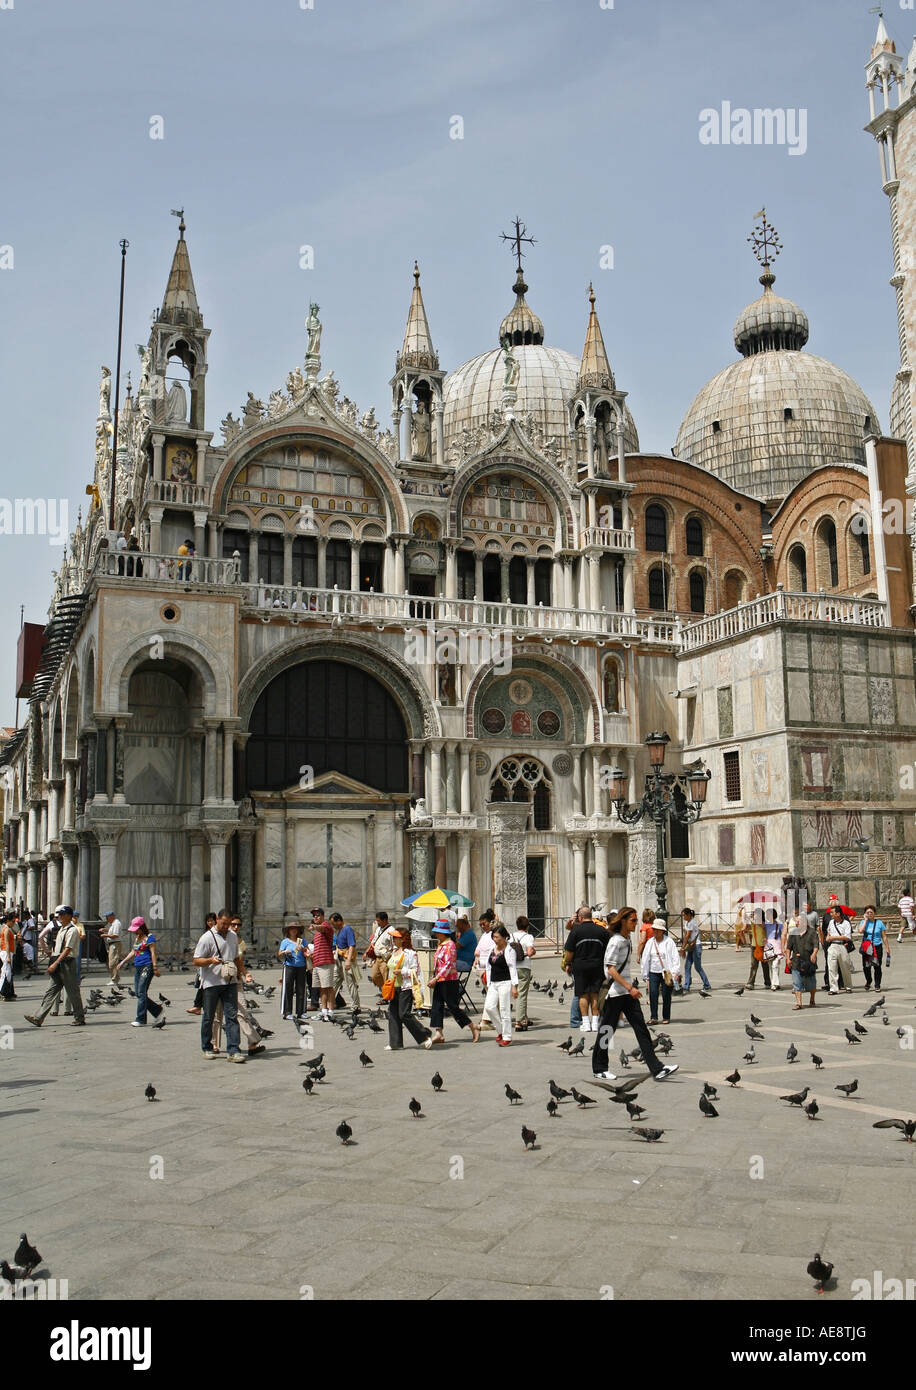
[
  {"x": 7, "y": 952},
  {"x": 444, "y": 981},
  {"x": 323, "y": 966}
]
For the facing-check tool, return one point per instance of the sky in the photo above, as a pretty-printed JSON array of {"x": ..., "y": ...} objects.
[{"x": 332, "y": 127}]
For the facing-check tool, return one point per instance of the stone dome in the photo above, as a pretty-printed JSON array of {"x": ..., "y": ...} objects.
[
  {"x": 765, "y": 422},
  {"x": 547, "y": 379}
]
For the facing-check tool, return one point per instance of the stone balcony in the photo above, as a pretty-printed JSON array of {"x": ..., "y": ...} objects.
[
  {"x": 161, "y": 490},
  {"x": 782, "y": 607},
  {"x": 609, "y": 538}
]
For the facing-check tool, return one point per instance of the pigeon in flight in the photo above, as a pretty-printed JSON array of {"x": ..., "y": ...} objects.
[
  {"x": 792, "y": 1053},
  {"x": 344, "y": 1132},
  {"x": 907, "y": 1126},
  {"x": 163, "y": 1000},
  {"x": 707, "y": 1107},
  {"x": 818, "y": 1061},
  {"x": 437, "y": 1083},
  {"x": 820, "y": 1271},
  {"x": 734, "y": 1078},
  {"x": 529, "y": 1137},
  {"x": 851, "y": 1037},
  {"x": 799, "y": 1098},
  {"x": 847, "y": 1088},
  {"x": 513, "y": 1096},
  {"x": 811, "y": 1109},
  {"x": 150, "y": 1091},
  {"x": 618, "y": 1092},
  {"x": 651, "y": 1136},
  {"x": 415, "y": 1108}
]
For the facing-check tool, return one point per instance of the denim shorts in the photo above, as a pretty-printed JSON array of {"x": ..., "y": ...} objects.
[{"x": 804, "y": 984}]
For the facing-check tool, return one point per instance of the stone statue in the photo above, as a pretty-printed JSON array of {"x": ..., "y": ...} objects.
[
  {"x": 510, "y": 382},
  {"x": 368, "y": 424},
  {"x": 551, "y": 450},
  {"x": 176, "y": 405},
  {"x": 230, "y": 428},
  {"x": 386, "y": 442},
  {"x": 144, "y": 355},
  {"x": 330, "y": 387},
  {"x": 105, "y": 394},
  {"x": 253, "y": 411},
  {"x": 418, "y": 812},
  {"x": 313, "y": 326},
  {"x": 420, "y": 431},
  {"x": 295, "y": 382},
  {"x": 276, "y": 403}
]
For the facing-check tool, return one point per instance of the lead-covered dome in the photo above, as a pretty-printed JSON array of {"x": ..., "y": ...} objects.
[{"x": 765, "y": 422}]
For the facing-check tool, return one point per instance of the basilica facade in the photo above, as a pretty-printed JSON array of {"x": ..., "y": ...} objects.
[{"x": 348, "y": 662}]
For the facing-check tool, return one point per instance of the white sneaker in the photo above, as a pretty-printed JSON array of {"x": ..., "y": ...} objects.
[
  {"x": 388, "y": 1047},
  {"x": 605, "y": 1076},
  {"x": 137, "y": 1024},
  {"x": 666, "y": 1071},
  {"x": 585, "y": 1026},
  {"x": 595, "y": 1021}
]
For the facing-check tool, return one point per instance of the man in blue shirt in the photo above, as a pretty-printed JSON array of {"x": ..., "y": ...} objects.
[
  {"x": 467, "y": 944},
  {"x": 346, "y": 974}
]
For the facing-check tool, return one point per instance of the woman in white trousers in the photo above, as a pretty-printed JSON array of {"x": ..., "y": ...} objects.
[{"x": 502, "y": 986}]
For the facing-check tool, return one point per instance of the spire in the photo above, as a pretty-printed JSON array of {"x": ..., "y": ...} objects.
[
  {"x": 595, "y": 369},
  {"x": 180, "y": 302},
  {"x": 771, "y": 323},
  {"x": 417, "y": 349},
  {"x": 883, "y": 42}
]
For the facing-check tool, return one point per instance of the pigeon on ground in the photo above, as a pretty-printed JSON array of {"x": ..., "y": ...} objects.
[
  {"x": 565, "y": 1046},
  {"x": 847, "y": 1088},
  {"x": 851, "y": 1037},
  {"x": 317, "y": 1073},
  {"x": 734, "y": 1078},
  {"x": 552, "y": 1109},
  {"x": 755, "y": 1020},
  {"x": 308, "y": 1085},
  {"x": 907, "y": 1126},
  {"x": 820, "y": 1271},
  {"x": 636, "y": 1054},
  {"x": 665, "y": 1046},
  {"x": 710, "y": 1091},
  {"x": 437, "y": 1083},
  {"x": 624, "y": 1059},
  {"x": 740, "y": 991},
  {"x": 858, "y": 1027},
  {"x": 581, "y": 1100},
  {"x": 556, "y": 1091},
  {"x": 270, "y": 991},
  {"x": 375, "y": 1027},
  {"x": 578, "y": 1050},
  {"x": 753, "y": 1033},
  {"x": 313, "y": 1062},
  {"x": 818, "y": 1061},
  {"x": 879, "y": 1003},
  {"x": 870, "y": 1013},
  {"x": 163, "y": 1000},
  {"x": 884, "y": 1019},
  {"x": 415, "y": 1108},
  {"x": 792, "y": 1053},
  {"x": 366, "y": 1060},
  {"x": 750, "y": 1056},
  {"x": 901, "y": 1032},
  {"x": 651, "y": 1136},
  {"x": 811, "y": 1109},
  {"x": 161, "y": 1022},
  {"x": 798, "y": 1098},
  {"x": 26, "y": 1256},
  {"x": 635, "y": 1111},
  {"x": 150, "y": 1091},
  {"x": 9, "y": 1273},
  {"x": 344, "y": 1132},
  {"x": 707, "y": 1107},
  {"x": 529, "y": 1137},
  {"x": 513, "y": 1096}
]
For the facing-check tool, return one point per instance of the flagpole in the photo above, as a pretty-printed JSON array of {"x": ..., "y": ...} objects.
[{"x": 114, "y": 441}]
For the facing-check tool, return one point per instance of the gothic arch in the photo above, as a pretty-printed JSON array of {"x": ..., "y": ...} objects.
[
  {"x": 72, "y": 716},
  {"x": 541, "y": 660},
  {"x": 412, "y": 698},
  {"x": 187, "y": 650},
  {"x": 548, "y": 481}
]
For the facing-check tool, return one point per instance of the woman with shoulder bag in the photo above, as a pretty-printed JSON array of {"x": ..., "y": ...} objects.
[
  {"x": 523, "y": 945},
  {"x": 660, "y": 966},
  {"x": 502, "y": 986},
  {"x": 873, "y": 947},
  {"x": 145, "y": 967},
  {"x": 444, "y": 982},
  {"x": 403, "y": 974}
]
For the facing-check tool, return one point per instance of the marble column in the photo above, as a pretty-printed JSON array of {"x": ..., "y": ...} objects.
[
  {"x": 34, "y": 826},
  {"x": 439, "y": 434},
  {"x": 219, "y": 839},
  {"x": 529, "y": 563},
  {"x": 354, "y": 566},
  {"x": 435, "y": 777},
  {"x": 595, "y": 584},
  {"x": 54, "y": 805},
  {"x": 84, "y": 876},
  {"x": 211, "y": 727},
  {"x": 322, "y": 562},
  {"x": 441, "y": 871},
  {"x": 599, "y": 844},
  {"x": 451, "y": 778},
  {"x": 632, "y": 792},
  {"x": 287, "y": 560},
  {"x": 508, "y": 823},
  {"x": 478, "y": 576},
  {"x": 290, "y": 894},
  {"x": 68, "y": 879},
  {"x": 200, "y": 529},
  {"x": 118, "y": 796},
  {"x": 400, "y": 576},
  {"x": 158, "y": 441},
  {"x": 253, "y": 575},
  {"x": 464, "y": 755},
  {"x": 54, "y": 867},
  {"x": 196, "y": 897},
  {"x": 155, "y": 530},
  {"x": 418, "y": 770},
  {"x": 504, "y": 578},
  {"x": 421, "y": 871},
  {"x": 371, "y": 865},
  {"x": 464, "y": 863},
  {"x": 33, "y": 893},
  {"x": 578, "y": 848},
  {"x": 213, "y": 539},
  {"x": 629, "y": 585},
  {"x": 451, "y": 568},
  {"x": 108, "y": 861},
  {"x": 228, "y": 762},
  {"x": 599, "y": 760}
]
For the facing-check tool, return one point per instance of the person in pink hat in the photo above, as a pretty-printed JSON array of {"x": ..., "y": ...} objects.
[{"x": 146, "y": 966}]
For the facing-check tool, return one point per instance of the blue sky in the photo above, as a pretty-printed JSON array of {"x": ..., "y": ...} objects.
[{"x": 329, "y": 127}]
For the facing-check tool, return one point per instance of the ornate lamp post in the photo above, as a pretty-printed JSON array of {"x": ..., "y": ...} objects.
[{"x": 678, "y": 795}]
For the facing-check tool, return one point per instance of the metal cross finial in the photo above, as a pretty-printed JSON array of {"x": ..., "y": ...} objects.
[
  {"x": 764, "y": 241},
  {"x": 517, "y": 239}
]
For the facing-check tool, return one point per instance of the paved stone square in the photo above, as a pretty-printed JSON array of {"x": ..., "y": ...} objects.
[{"x": 258, "y": 1197}]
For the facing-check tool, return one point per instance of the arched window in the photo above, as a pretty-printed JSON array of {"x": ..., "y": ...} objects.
[
  {"x": 337, "y": 565},
  {"x": 518, "y": 580},
  {"x": 543, "y": 582},
  {"x": 524, "y": 779},
  {"x": 828, "y": 571},
  {"x": 658, "y": 589},
  {"x": 466, "y": 573},
  {"x": 858, "y": 549},
  {"x": 697, "y": 591},
  {"x": 305, "y": 561},
  {"x": 694, "y": 535},
  {"x": 735, "y": 588},
  {"x": 612, "y": 686},
  {"x": 656, "y": 528},
  {"x": 270, "y": 558},
  {"x": 798, "y": 570}
]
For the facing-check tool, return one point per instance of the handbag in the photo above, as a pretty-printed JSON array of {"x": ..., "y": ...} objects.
[
  {"x": 390, "y": 985},
  {"x": 758, "y": 953},
  {"x": 666, "y": 974},
  {"x": 417, "y": 988},
  {"x": 388, "y": 990}
]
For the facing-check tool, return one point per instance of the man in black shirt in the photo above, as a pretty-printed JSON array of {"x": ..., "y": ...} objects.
[{"x": 583, "y": 958}]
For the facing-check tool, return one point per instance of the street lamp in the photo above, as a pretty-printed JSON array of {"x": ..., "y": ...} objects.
[{"x": 668, "y": 795}]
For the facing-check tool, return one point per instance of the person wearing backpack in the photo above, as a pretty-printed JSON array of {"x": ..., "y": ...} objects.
[{"x": 522, "y": 942}]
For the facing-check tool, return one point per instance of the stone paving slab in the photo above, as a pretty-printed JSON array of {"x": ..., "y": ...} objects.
[{"x": 258, "y": 1193}]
